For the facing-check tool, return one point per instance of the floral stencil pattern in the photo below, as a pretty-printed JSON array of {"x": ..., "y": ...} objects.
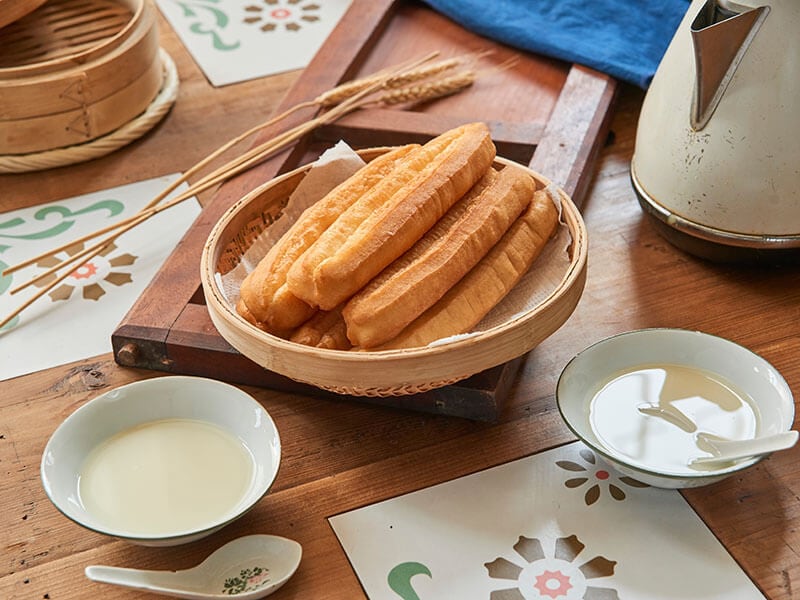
[
  {"x": 89, "y": 277},
  {"x": 239, "y": 40},
  {"x": 552, "y": 575},
  {"x": 289, "y": 14},
  {"x": 596, "y": 477}
]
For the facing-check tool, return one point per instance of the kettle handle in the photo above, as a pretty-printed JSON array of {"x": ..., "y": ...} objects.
[{"x": 721, "y": 35}]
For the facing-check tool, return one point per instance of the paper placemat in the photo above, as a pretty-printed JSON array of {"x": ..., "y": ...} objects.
[
  {"x": 559, "y": 525},
  {"x": 237, "y": 40},
  {"x": 76, "y": 318}
]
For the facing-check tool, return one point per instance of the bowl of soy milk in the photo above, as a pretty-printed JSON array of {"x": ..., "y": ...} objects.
[
  {"x": 163, "y": 461},
  {"x": 645, "y": 400}
]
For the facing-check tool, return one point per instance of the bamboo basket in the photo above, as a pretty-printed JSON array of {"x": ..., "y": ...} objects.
[
  {"x": 377, "y": 373},
  {"x": 75, "y": 70}
]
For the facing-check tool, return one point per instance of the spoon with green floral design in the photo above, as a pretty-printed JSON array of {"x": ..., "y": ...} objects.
[{"x": 248, "y": 567}]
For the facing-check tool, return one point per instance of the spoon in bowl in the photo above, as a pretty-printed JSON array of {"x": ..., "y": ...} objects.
[
  {"x": 248, "y": 567},
  {"x": 725, "y": 450}
]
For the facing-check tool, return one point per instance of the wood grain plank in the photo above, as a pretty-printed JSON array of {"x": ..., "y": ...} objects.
[
  {"x": 342, "y": 455},
  {"x": 576, "y": 131},
  {"x": 515, "y": 99}
]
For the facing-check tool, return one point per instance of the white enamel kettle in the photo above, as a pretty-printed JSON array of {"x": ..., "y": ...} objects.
[{"x": 717, "y": 155}]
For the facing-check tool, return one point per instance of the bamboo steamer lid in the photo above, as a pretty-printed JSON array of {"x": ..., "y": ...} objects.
[
  {"x": 13, "y": 10},
  {"x": 72, "y": 71}
]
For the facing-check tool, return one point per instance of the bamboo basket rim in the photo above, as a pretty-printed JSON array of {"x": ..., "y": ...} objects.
[
  {"x": 398, "y": 371},
  {"x": 138, "y": 9},
  {"x": 105, "y": 144}
]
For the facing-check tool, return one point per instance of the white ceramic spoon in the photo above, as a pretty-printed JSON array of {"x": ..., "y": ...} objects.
[
  {"x": 730, "y": 450},
  {"x": 249, "y": 567}
]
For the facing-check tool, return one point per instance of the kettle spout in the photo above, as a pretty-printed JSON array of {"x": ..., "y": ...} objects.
[{"x": 721, "y": 33}]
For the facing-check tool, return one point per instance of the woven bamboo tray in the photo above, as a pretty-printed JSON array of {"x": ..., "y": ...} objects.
[
  {"x": 378, "y": 373},
  {"x": 74, "y": 70}
]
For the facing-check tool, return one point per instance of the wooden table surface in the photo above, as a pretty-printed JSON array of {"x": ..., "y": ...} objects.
[{"x": 339, "y": 455}]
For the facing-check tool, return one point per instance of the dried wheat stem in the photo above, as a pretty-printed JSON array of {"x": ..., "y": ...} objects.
[
  {"x": 234, "y": 167},
  {"x": 424, "y": 72},
  {"x": 428, "y": 90},
  {"x": 226, "y": 146},
  {"x": 348, "y": 89},
  {"x": 127, "y": 224},
  {"x": 163, "y": 194},
  {"x": 356, "y": 100},
  {"x": 342, "y": 92}
]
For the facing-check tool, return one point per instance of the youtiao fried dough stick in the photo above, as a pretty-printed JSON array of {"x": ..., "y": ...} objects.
[
  {"x": 414, "y": 282},
  {"x": 467, "y": 302},
  {"x": 264, "y": 291},
  {"x": 326, "y": 329},
  {"x": 386, "y": 222}
]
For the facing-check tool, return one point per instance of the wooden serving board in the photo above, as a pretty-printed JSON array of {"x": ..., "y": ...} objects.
[{"x": 547, "y": 114}]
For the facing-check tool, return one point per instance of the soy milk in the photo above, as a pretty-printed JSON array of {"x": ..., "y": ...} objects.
[
  {"x": 166, "y": 476},
  {"x": 652, "y": 413}
]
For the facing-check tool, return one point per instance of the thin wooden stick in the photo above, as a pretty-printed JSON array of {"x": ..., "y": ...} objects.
[
  {"x": 163, "y": 194},
  {"x": 221, "y": 174},
  {"x": 253, "y": 156},
  {"x": 233, "y": 168},
  {"x": 344, "y": 92}
]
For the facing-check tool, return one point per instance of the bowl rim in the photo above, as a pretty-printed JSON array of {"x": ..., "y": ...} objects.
[
  {"x": 257, "y": 492},
  {"x": 672, "y": 476},
  {"x": 493, "y": 342}
]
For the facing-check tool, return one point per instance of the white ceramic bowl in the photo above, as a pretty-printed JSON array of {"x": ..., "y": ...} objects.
[
  {"x": 652, "y": 449},
  {"x": 219, "y": 405}
]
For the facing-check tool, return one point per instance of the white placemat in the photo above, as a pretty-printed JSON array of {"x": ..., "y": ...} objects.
[
  {"x": 559, "y": 525},
  {"x": 75, "y": 320},
  {"x": 237, "y": 40}
]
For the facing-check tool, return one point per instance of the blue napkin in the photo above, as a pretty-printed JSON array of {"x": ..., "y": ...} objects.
[{"x": 622, "y": 38}]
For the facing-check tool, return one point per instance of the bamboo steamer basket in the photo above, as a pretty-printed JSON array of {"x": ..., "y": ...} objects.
[
  {"x": 12, "y": 10},
  {"x": 377, "y": 373},
  {"x": 75, "y": 70}
]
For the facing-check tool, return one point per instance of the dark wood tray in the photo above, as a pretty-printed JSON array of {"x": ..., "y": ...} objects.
[{"x": 550, "y": 115}]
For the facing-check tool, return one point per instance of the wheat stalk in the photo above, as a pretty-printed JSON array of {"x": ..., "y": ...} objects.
[
  {"x": 365, "y": 86},
  {"x": 234, "y": 167},
  {"x": 347, "y": 89},
  {"x": 341, "y": 100},
  {"x": 428, "y": 90}
]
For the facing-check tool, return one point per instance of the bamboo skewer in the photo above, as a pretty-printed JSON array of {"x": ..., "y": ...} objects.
[
  {"x": 163, "y": 194},
  {"x": 229, "y": 170},
  {"x": 350, "y": 98},
  {"x": 337, "y": 95}
]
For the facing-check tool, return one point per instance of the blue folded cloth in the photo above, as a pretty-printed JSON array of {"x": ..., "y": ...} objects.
[{"x": 622, "y": 38}]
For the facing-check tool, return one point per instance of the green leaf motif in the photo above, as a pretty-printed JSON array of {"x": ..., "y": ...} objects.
[
  {"x": 16, "y": 222},
  {"x": 399, "y": 579},
  {"x": 216, "y": 40},
  {"x": 68, "y": 219},
  {"x": 249, "y": 579},
  {"x": 5, "y": 280},
  {"x": 219, "y": 21}
]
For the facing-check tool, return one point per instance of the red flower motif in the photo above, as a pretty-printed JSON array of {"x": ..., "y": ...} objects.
[
  {"x": 553, "y": 584},
  {"x": 85, "y": 271},
  {"x": 557, "y": 572},
  {"x": 591, "y": 474}
]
